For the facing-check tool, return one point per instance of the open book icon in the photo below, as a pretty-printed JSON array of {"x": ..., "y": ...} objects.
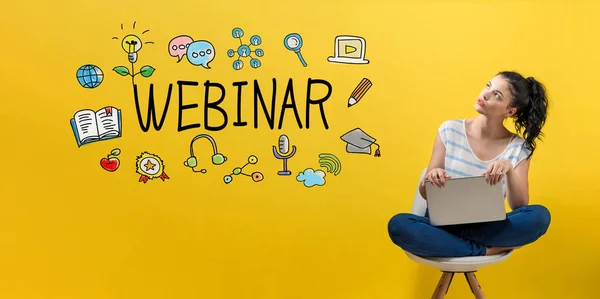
[{"x": 91, "y": 126}]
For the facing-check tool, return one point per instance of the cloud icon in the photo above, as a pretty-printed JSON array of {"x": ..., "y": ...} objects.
[{"x": 311, "y": 177}]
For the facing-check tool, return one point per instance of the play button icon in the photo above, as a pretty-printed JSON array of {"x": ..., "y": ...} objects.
[{"x": 349, "y": 49}]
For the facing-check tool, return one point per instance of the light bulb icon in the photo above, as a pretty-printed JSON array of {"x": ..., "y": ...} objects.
[{"x": 131, "y": 45}]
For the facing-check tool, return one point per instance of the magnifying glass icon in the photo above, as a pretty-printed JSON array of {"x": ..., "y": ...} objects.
[{"x": 293, "y": 42}]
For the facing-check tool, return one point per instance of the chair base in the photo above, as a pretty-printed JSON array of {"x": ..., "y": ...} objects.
[
  {"x": 444, "y": 285},
  {"x": 466, "y": 265}
]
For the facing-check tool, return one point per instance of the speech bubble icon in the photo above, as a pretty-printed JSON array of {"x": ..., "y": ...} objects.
[
  {"x": 178, "y": 46},
  {"x": 200, "y": 52}
]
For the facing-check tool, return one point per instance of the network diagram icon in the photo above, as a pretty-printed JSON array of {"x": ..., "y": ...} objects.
[
  {"x": 244, "y": 50},
  {"x": 256, "y": 176}
]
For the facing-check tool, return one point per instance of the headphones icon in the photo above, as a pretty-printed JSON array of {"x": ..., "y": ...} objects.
[{"x": 217, "y": 158}]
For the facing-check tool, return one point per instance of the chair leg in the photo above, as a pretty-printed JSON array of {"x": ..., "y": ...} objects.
[
  {"x": 443, "y": 285},
  {"x": 474, "y": 284}
]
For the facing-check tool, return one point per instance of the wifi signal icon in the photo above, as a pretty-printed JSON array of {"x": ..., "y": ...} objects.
[{"x": 331, "y": 162}]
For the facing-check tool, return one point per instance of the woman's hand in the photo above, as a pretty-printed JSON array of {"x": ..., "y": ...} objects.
[
  {"x": 436, "y": 176},
  {"x": 496, "y": 171}
]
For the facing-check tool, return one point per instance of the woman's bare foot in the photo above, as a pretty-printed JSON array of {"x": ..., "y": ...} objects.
[{"x": 498, "y": 250}]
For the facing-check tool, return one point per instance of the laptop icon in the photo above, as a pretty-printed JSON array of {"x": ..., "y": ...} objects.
[{"x": 349, "y": 49}]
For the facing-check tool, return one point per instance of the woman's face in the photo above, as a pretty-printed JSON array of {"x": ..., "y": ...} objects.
[{"x": 494, "y": 99}]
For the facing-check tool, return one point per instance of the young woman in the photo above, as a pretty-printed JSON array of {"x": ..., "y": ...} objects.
[{"x": 483, "y": 146}]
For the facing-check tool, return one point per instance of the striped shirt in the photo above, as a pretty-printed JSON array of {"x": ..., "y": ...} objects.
[{"x": 460, "y": 160}]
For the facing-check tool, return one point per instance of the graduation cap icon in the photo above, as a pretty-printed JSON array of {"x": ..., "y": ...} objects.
[{"x": 359, "y": 142}]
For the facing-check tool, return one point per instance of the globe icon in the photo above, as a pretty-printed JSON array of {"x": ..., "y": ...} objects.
[{"x": 89, "y": 76}]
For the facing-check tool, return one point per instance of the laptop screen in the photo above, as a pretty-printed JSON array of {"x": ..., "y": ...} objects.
[{"x": 350, "y": 48}]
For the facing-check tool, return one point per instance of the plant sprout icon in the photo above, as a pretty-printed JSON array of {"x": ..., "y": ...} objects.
[{"x": 132, "y": 44}]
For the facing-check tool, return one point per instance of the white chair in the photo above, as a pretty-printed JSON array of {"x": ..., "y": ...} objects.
[{"x": 450, "y": 266}]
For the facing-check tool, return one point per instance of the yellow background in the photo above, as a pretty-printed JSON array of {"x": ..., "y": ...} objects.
[{"x": 72, "y": 230}]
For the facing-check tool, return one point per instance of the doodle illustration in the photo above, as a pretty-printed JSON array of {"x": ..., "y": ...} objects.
[
  {"x": 331, "y": 163},
  {"x": 91, "y": 126},
  {"x": 89, "y": 76},
  {"x": 111, "y": 163},
  {"x": 284, "y": 148},
  {"x": 311, "y": 177},
  {"x": 192, "y": 161},
  {"x": 293, "y": 42},
  {"x": 149, "y": 167},
  {"x": 349, "y": 50},
  {"x": 132, "y": 44},
  {"x": 256, "y": 176},
  {"x": 358, "y": 142},
  {"x": 360, "y": 90},
  {"x": 244, "y": 50},
  {"x": 200, "y": 53},
  {"x": 178, "y": 46}
]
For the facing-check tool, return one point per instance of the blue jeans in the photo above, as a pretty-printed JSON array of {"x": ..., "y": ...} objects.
[{"x": 416, "y": 235}]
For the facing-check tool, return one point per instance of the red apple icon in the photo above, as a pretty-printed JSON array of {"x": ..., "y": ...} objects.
[{"x": 111, "y": 162}]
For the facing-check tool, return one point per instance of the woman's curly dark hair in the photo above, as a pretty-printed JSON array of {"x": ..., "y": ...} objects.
[{"x": 529, "y": 98}]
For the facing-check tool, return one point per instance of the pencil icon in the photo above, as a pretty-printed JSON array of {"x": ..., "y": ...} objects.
[{"x": 360, "y": 90}]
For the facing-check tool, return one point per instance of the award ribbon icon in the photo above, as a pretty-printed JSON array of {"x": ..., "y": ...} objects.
[{"x": 150, "y": 167}]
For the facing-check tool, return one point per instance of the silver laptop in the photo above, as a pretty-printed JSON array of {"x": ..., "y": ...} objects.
[{"x": 465, "y": 200}]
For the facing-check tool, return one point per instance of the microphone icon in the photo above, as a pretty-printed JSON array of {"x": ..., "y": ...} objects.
[{"x": 284, "y": 148}]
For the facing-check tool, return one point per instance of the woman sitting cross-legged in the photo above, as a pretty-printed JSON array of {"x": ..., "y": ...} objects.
[{"x": 483, "y": 146}]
